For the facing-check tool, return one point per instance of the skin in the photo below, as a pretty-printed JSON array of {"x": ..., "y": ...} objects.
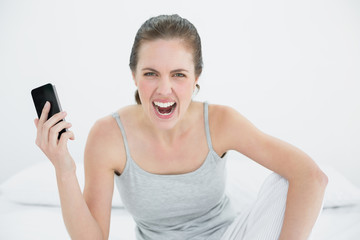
[
  {"x": 161, "y": 76},
  {"x": 173, "y": 146}
]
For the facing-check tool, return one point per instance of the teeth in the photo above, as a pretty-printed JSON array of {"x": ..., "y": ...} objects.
[
  {"x": 164, "y": 105},
  {"x": 164, "y": 114}
]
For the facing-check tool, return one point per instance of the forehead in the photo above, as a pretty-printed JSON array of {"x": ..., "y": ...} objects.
[{"x": 160, "y": 53}]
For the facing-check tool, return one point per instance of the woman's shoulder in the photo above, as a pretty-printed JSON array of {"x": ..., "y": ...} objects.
[
  {"x": 105, "y": 140},
  {"x": 106, "y": 131},
  {"x": 227, "y": 118},
  {"x": 222, "y": 114},
  {"x": 106, "y": 127},
  {"x": 227, "y": 125}
]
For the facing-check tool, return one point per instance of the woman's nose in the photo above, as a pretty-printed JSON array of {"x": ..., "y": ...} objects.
[{"x": 164, "y": 87}]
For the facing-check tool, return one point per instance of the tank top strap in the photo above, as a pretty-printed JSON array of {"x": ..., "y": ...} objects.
[
  {"x": 207, "y": 128},
  {"x": 206, "y": 121},
  {"x": 117, "y": 117}
]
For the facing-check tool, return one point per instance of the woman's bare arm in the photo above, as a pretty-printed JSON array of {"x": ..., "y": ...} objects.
[
  {"x": 78, "y": 219},
  {"x": 307, "y": 182},
  {"x": 103, "y": 156}
]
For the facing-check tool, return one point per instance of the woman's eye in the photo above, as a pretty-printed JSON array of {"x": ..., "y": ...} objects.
[
  {"x": 150, "y": 74},
  {"x": 179, "y": 75}
]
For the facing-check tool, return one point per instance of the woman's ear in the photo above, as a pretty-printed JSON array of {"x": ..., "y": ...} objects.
[{"x": 196, "y": 82}]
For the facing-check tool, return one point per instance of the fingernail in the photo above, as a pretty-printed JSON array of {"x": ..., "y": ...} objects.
[{"x": 46, "y": 104}]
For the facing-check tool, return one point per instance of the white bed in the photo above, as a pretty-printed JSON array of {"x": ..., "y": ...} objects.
[{"x": 29, "y": 205}]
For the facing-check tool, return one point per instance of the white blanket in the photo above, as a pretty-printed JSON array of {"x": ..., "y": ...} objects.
[{"x": 30, "y": 209}]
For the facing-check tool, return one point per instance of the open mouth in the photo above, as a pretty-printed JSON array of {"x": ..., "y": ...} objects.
[{"x": 164, "y": 109}]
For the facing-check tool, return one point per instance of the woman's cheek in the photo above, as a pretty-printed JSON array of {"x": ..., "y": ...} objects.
[
  {"x": 184, "y": 89},
  {"x": 146, "y": 88}
]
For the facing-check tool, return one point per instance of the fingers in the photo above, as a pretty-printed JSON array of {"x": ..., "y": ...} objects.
[
  {"x": 40, "y": 122},
  {"x": 48, "y": 129},
  {"x": 49, "y": 124},
  {"x": 65, "y": 137},
  {"x": 44, "y": 113},
  {"x": 54, "y": 132},
  {"x": 47, "y": 135},
  {"x": 36, "y": 121}
]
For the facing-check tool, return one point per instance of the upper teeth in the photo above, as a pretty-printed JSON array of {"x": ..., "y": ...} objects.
[{"x": 164, "y": 105}]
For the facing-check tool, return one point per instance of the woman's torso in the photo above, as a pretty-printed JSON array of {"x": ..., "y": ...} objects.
[{"x": 173, "y": 190}]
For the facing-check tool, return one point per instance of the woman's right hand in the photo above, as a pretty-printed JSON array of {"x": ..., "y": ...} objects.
[{"x": 47, "y": 139}]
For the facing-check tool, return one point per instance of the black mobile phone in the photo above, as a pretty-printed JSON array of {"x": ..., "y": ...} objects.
[{"x": 45, "y": 93}]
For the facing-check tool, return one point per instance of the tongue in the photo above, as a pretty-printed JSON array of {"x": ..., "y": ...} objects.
[{"x": 165, "y": 110}]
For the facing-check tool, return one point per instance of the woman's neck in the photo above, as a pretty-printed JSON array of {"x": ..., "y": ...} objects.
[{"x": 166, "y": 137}]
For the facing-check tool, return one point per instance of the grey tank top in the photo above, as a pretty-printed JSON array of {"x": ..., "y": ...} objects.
[{"x": 181, "y": 206}]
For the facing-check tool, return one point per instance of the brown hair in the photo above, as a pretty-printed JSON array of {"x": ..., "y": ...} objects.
[{"x": 167, "y": 27}]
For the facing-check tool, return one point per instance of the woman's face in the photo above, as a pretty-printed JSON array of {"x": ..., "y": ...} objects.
[{"x": 165, "y": 78}]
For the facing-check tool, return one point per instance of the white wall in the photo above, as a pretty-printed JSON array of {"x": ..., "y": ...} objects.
[{"x": 291, "y": 67}]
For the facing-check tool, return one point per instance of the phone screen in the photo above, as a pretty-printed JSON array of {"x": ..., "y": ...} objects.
[{"x": 45, "y": 93}]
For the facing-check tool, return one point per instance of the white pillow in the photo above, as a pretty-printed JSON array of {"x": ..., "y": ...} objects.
[
  {"x": 339, "y": 191},
  {"x": 245, "y": 178},
  {"x": 37, "y": 185}
]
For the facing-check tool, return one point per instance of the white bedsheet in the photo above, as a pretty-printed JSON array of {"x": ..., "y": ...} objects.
[
  {"x": 33, "y": 222},
  {"x": 341, "y": 223},
  {"x": 36, "y": 222},
  {"x": 30, "y": 208}
]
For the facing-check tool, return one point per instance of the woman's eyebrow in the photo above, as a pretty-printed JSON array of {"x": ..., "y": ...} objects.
[
  {"x": 179, "y": 70},
  {"x": 176, "y": 70},
  {"x": 149, "y": 69}
]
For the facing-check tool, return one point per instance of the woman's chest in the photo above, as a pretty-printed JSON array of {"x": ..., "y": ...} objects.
[
  {"x": 177, "y": 160},
  {"x": 185, "y": 155}
]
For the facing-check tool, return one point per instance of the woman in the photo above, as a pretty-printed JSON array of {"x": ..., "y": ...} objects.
[{"x": 166, "y": 154}]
